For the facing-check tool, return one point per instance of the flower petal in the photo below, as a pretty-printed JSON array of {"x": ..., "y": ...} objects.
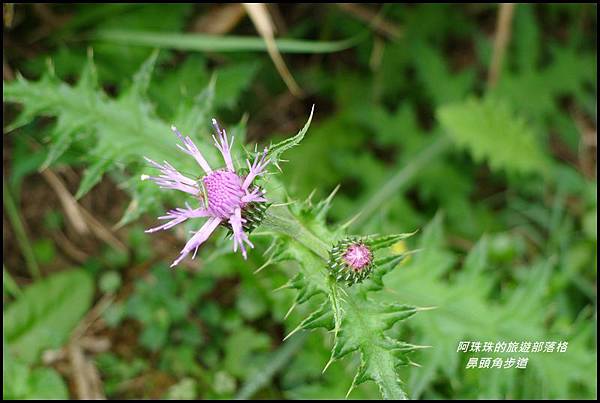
[
  {"x": 178, "y": 216},
  {"x": 191, "y": 149},
  {"x": 170, "y": 178},
  {"x": 239, "y": 236},
  {"x": 256, "y": 169},
  {"x": 198, "y": 239},
  {"x": 223, "y": 145},
  {"x": 255, "y": 196}
]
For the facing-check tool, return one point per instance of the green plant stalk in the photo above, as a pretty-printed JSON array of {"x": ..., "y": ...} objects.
[
  {"x": 217, "y": 43},
  {"x": 401, "y": 179},
  {"x": 279, "y": 219},
  {"x": 19, "y": 229}
]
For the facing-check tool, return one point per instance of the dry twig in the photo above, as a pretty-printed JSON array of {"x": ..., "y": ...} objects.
[
  {"x": 86, "y": 377},
  {"x": 503, "y": 29},
  {"x": 374, "y": 19},
  {"x": 219, "y": 20},
  {"x": 262, "y": 21},
  {"x": 588, "y": 145},
  {"x": 82, "y": 220},
  {"x": 67, "y": 201},
  {"x": 83, "y": 371}
]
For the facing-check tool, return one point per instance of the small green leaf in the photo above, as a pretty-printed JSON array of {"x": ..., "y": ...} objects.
[
  {"x": 93, "y": 174},
  {"x": 141, "y": 79},
  {"x": 277, "y": 149}
]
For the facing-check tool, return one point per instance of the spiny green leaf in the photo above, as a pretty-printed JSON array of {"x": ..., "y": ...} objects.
[
  {"x": 442, "y": 85},
  {"x": 276, "y": 150},
  {"x": 322, "y": 317},
  {"x": 359, "y": 323},
  {"x": 383, "y": 266},
  {"x": 384, "y": 241},
  {"x": 24, "y": 91},
  {"x": 63, "y": 135},
  {"x": 379, "y": 365},
  {"x": 141, "y": 79},
  {"x": 312, "y": 280},
  {"x": 492, "y": 132},
  {"x": 93, "y": 174},
  {"x": 364, "y": 322}
]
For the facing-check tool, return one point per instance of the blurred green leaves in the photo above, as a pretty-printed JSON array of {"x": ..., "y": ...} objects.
[
  {"x": 162, "y": 300},
  {"x": 21, "y": 382},
  {"x": 468, "y": 309},
  {"x": 46, "y": 313},
  {"x": 122, "y": 130}
]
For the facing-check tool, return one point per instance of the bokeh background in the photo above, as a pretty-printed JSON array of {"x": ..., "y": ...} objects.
[{"x": 474, "y": 123}]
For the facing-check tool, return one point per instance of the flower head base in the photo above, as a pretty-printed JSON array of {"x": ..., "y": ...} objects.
[
  {"x": 227, "y": 196},
  {"x": 351, "y": 260}
]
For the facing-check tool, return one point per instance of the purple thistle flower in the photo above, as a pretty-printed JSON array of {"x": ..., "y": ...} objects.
[{"x": 223, "y": 193}]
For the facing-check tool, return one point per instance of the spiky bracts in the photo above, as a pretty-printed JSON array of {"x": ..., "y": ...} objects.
[{"x": 253, "y": 213}]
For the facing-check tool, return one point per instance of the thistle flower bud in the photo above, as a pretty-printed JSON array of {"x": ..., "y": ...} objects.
[{"x": 351, "y": 260}]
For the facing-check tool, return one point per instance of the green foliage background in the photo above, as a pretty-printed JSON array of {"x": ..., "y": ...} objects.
[{"x": 498, "y": 181}]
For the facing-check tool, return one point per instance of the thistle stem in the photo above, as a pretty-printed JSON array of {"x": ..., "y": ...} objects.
[{"x": 279, "y": 219}]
